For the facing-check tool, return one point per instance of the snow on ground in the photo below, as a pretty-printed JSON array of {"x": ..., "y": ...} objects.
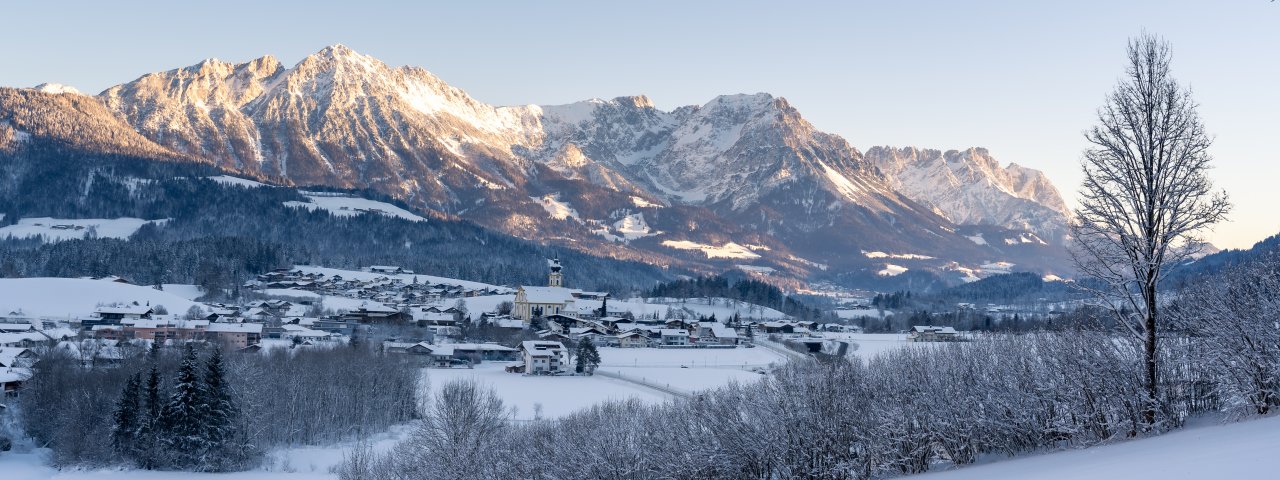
[
  {"x": 76, "y": 297},
  {"x": 345, "y": 206},
  {"x": 891, "y": 270},
  {"x": 756, "y": 269},
  {"x": 557, "y": 209},
  {"x": 998, "y": 267},
  {"x": 686, "y": 379},
  {"x": 1237, "y": 450},
  {"x": 406, "y": 278},
  {"x": 847, "y": 313},
  {"x": 871, "y": 344},
  {"x": 558, "y": 395},
  {"x": 978, "y": 239},
  {"x": 58, "y": 229},
  {"x": 633, "y": 226},
  {"x": 728, "y": 250},
  {"x": 689, "y": 357},
  {"x": 189, "y": 292},
  {"x": 642, "y": 203},
  {"x": 238, "y": 182},
  {"x": 899, "y": 256}
]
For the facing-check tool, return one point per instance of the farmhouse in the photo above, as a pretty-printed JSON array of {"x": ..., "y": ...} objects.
[
  {"x": 925, "y": 333},
  {"x": 542, "y": 357},
  {"x": 235, "y": 335},
  {"x": 674, "y": 336}
]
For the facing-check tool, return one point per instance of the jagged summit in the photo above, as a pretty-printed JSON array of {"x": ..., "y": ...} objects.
[{"x": 971, "y": 187}]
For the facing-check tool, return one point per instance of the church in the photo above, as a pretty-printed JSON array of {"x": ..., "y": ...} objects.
[{"x": 552, "y": 299}]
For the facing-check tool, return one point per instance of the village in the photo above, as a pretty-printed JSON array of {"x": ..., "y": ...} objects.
[{"x": 443, "y": 323}]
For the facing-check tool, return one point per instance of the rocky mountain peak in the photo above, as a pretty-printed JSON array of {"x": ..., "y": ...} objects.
[{"x": 970, "y": 186}]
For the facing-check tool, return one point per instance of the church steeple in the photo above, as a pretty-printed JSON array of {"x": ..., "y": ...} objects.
[{"x": 555, "y": 279}]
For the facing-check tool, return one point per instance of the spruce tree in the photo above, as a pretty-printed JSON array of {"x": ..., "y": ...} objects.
[
  {"x": 124, "y": 431},
  {"x": 221, "y": 416},
  {"x": 146, "y": 448},
  {"x": 182, "y": 420}
]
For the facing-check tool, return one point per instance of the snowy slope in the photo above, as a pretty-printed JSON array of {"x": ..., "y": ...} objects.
[
  {"x": 58, "y": 229},
  {"x": 347, "y": 206},
  {"x": 75, "y": 297},
  {"x": 1238, "y": 450}
]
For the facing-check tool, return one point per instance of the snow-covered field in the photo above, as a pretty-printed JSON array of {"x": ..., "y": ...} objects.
[
  {"x": 73, "y": 297},
  {"x": 58, "y": 229},
  {"x": 688, "y": 370},
  {"x": 344, "y": 206},
  {"x": 558, "y": 396},
  {"x": 1237, "y": 450},
  {"x": 871, "y": 344},
  {"x": 237, "y": 181},
  {"x": 728, "y": 250}
]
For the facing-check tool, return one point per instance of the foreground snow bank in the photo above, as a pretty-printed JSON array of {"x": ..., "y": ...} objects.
[{"x": 1238, "y": 450}]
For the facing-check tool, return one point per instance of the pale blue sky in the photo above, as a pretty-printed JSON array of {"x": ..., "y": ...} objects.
[{"x": 1018, "y": 77}]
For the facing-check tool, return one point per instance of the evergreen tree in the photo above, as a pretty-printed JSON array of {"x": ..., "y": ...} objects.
[
  {"x": 221, "y": 416},
  {"x": 127, "y": 418},
  {"x": 146, "y": 447},
  {"x": 183, "y": 419},
  {"x": 588, "y": 356}
]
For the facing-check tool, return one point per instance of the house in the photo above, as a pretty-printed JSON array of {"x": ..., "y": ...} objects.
[
  {"x": 673, "y": 336},
  {"x": 552, "y": 299},
  {"x": 158, "y": 330},
  {"x": 389, "y": 270},
  {"x": 438, "y": 355},
  {"x": 16, "y": 357},
  {"x": 16, "y": 327},
  {"x": 542, "y": 357},
  {"x": 716, "y": 333},
  {"x": 484, "y": 352},
  {"x": 633, "y": 339},
  {"x": 235, "y": 335},
  {"x": 373, "y": 312},
  {"x": 336, "y": 325},
  {"x": 11, "y": 380},
  {"x": 114, "y": 315},
  {"x": 778, "y": 327},
  {"x": 926, "y": 333}
]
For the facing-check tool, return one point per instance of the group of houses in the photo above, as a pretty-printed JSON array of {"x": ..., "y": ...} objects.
[{"x": 393, "y": 285}]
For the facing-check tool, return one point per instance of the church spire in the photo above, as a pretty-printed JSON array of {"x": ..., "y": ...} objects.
[{"x": 555, "y": 279}]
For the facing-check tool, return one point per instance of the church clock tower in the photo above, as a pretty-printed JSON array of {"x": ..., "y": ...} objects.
[{"x": 555, "y": 279}]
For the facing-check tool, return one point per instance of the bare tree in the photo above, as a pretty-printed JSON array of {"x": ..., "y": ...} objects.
[{"x": 1145, "y": 197}]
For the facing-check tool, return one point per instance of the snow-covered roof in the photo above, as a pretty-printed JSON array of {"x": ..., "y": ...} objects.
[
  {"x": 16, "y": 327},
  {"x": 540, "y": 345},
  {"x": 720, "y": 330},
  {"x": 928, "y": 328},
  {"x": 8, "y": 375},
  {"x": 235, "y": 327},
  {"x": 673, "y": 332},
  {"x": 484, "y": 347},
  {"x": 125, "y": 310},
  {"x": 548, "y": 294},
  {"x": 9, "y": 355}
]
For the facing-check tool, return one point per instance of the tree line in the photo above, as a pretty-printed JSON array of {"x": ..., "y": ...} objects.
[{"x": 168, "y": 409}]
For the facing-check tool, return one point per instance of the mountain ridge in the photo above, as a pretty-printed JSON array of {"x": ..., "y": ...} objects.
[{"x": 745, "y": 169}]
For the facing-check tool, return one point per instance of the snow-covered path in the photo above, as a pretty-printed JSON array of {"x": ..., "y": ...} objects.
[{"x": 1249, "y": 449}]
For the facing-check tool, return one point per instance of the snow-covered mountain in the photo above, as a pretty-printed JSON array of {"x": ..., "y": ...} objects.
[
  {"x": 616, "y": 177},
  {"x": 971, "y": 187}
]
